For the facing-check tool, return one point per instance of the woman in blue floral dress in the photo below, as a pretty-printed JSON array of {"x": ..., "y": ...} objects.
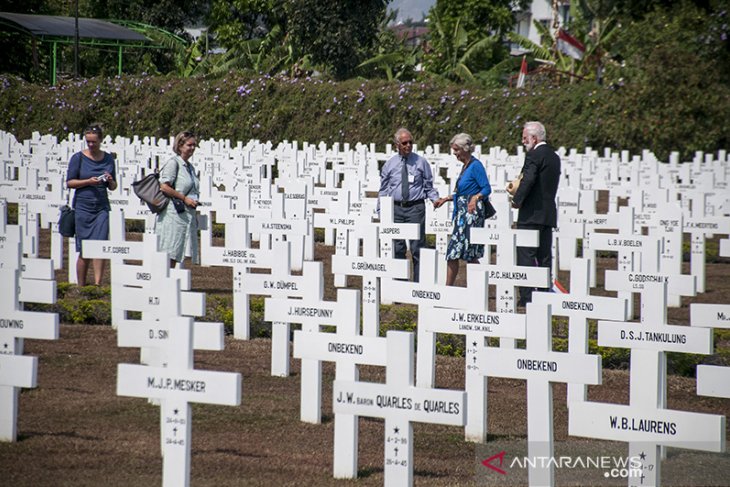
[{"x": 470, "y": 190}]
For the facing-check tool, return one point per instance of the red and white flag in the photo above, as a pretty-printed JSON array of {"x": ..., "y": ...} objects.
[
  {"x": 569, "y": 45},
  {"x": 523, "y": 73},
  {"x": 558, "y": 288}
]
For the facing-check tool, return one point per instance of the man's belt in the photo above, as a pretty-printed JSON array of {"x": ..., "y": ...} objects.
[{"x": 408, "y": 204}]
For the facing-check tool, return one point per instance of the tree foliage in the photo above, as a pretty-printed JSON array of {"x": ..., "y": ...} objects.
[
  {"x": 336, "y": 34},
  {"x": 171, "y": 15},
  {"x": 235, "y": 22},
  {"x": 462, "y": 28}
]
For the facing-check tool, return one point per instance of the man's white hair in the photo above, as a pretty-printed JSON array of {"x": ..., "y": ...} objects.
[
  {"x": 400, "y": 132},
  {"x": 537, "y": 129}
]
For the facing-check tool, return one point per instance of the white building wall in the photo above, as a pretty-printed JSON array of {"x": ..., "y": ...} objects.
[{"x": 542, "y": 11}]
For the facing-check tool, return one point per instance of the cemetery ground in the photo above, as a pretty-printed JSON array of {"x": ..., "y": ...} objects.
[{"x": 75, "y": 431}]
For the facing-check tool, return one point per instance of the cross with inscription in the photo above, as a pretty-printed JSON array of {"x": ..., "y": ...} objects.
[
  {"x": 506, "y": 275},
  {"x": 622, "y": 242},
  {"x": 390, "y": 231},
  {"x": 472, "y": 319},
  {"x": 579, "y": 306},
  {"x": 16, "y": 370},
  {"x": 176, "y": 386},
  {"x": 155, "y": 290},
  {"x": 646, "y": 424},
  {"x": 372, "y": 267},
  {"x": 238, "y": 254},
  {"x": 282, "y": 284},
  {"x": 110, "y": 249},
  {"x": 629, "y": 282},
  {"x": 700, "y": 228},
  {"x": 712, "y": 380},
  {"x": 668, "y": 223},
  {"x": 540, "y": 366},
  {"x": 117, "y": 250},
  {"x": 348, "y": 349},
  {"x": 428, "y": 294},
  {"x": 284, "y": 226},
  {"x": 439, "y": 224},
  {"x": 312, "y": 312},
  {"x": 344, "y": 222},
  {"x": 629, "y": 246},
  {"x": 400, "y": 403}
]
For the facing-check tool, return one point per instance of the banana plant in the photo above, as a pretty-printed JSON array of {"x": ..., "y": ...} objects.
[
  {"x": 595, "y": 56},
  {"x": 457, "y": 53}
]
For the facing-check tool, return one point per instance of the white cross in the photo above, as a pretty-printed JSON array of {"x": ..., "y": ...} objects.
[
  {"x": 645, "y": 423},
  {"x": 372, "y": 268},
  {"x": 579, "y": 306},
  {"x": 176, "y": 386},
  {"x": 540, "y": 366},
  {"x": 400, "y": 403}
]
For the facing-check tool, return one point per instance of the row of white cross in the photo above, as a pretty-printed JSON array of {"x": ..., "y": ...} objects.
[{"x": 283, "y": 226}]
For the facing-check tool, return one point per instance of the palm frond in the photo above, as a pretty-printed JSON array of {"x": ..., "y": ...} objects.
[{"x": 536, "y": 50}]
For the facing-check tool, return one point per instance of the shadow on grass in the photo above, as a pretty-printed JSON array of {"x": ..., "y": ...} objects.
[
  {"x": 27, "y": 435},
  {"x": 232, "y": 452},
  {"x": 429, "y": 474},
  {"x": 367, "y": 472}
]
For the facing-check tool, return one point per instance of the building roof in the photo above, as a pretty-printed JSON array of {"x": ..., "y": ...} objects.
[{"x": 56, "y": 26}]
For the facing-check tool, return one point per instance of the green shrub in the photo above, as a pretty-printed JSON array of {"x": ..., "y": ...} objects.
[
  {"x": 241, "y": 107},
  {"x": 450, "y": 345},
  {"x": 134, "y": 226}
]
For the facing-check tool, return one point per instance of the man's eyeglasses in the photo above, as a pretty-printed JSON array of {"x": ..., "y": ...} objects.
[{"x": 406, "y": 142}]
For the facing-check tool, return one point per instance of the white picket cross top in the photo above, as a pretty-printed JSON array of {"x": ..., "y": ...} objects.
[
  {"x": 506, "y": 275},
  {"x": 540, "y": 366},
  {"x": 400, "y": 403},
  {"x": 579, "y": 306},
  {"x": 147, "y": 288},
  {"x": 284, "y": 227},
  {"x": 238, "y": 254},
  {"x": 344, "y": 222},
  {"x": 699, "y": 228},
  {"x": 176, "y": 386},
  {"x": 389, "y": 231}
]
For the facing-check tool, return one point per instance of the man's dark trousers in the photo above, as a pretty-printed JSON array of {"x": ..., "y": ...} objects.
[
  {"x": 540, "y": 256},
  {"x": 411, "y": 214}
]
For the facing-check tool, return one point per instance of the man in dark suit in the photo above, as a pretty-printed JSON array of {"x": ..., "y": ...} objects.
[{"x": 535, "y": 198}]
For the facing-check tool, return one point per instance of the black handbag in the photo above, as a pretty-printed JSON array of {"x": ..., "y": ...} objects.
[
  {"x": 179, "y": 205},
  {"x": 148, "y": 190},
  {"x": 67, "y": 221},
  {"x": 489, "y": 210}
]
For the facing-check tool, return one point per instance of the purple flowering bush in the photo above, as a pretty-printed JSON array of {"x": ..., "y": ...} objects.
[{"x": 239, "y": 106}]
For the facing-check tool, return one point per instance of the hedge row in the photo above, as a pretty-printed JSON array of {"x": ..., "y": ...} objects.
[{"x": 683, "y": 116}]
